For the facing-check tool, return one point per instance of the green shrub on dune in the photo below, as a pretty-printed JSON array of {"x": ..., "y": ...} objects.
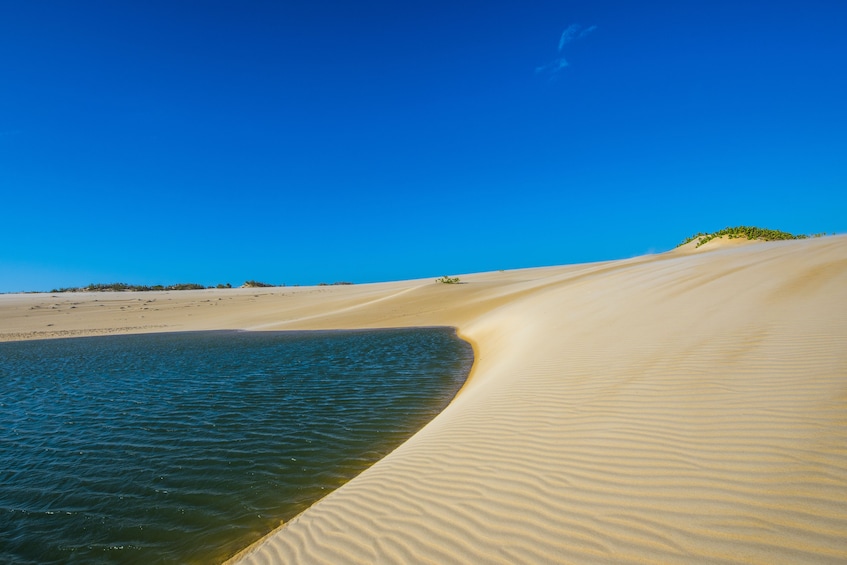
[{"x": 739, "y": 232}]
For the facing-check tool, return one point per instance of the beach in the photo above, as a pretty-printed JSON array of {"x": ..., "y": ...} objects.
[{"x": 683, "y": 407}]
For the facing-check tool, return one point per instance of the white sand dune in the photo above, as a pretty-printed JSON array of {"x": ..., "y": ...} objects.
[{"x": 676, "y": 408}]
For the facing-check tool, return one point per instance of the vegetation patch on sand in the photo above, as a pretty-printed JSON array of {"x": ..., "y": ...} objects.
[
  {"x": 748, "y": 232},
  {"x": 124, "y": 287}
]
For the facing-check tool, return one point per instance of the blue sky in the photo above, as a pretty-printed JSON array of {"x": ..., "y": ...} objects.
[{"x": 304, "y": 142}]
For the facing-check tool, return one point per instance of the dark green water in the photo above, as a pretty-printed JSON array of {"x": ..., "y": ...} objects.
[{"x": 186, "y": 447}]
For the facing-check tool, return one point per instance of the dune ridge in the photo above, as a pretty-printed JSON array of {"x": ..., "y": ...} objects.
[{"x": 675, "y": 408}]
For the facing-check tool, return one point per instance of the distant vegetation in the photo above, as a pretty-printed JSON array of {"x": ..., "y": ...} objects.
[
  {"x": 124, "y": 287},
  {"x": 256, "y": 284},
  {"x": 448, "y": 280},
  {"x": 747, "y": 232}
]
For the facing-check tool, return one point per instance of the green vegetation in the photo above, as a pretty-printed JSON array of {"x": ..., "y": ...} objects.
[
  {"x": 256, "y": 284},
  {"x": 748, "y": 232},
  {"x": 448, "y": 280},
  {"x": 124, "y": 287}
]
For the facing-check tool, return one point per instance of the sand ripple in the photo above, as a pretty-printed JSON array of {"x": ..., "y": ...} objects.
[{"x": 675, "y": 409}]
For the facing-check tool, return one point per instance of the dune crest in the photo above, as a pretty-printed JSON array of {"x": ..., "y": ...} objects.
[
  {"x": 668, "y": 410},
  {"x": 675, "y": 408}
]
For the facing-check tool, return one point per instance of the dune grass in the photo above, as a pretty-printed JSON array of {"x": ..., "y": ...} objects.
[{"x": 748, "y": 232}]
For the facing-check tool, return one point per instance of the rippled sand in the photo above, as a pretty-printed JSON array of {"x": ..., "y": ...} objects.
[{"x": 682, "y": 407}]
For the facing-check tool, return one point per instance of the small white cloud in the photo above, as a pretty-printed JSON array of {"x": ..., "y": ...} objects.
[
  {"x": 567, "y": 35},
  {"x": 570, "y": 34}
]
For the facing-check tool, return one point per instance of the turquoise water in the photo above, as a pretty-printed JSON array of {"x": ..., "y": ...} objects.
[{"x": 186, "y": 447}]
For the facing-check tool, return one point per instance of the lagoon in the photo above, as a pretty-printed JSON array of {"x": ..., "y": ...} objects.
[{"x": 186, "y": 447}]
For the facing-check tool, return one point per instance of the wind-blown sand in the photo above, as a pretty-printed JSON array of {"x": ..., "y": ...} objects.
[{"x": 684, "y": 407}]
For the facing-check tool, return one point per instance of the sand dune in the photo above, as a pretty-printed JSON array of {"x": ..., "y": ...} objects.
[{"x": 675, "y": 408}]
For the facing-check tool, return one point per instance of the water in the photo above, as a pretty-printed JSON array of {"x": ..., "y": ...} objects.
[{"x": 186, "y": 447}]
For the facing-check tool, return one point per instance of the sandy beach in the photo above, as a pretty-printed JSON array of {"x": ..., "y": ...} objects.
[{"x": 684, "y": 407}]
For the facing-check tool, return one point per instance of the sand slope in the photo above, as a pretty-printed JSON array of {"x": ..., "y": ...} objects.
[{"x": 677, "y": 408}]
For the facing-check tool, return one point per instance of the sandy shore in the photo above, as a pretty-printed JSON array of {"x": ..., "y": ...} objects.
[{"x": 687, "y": 407}]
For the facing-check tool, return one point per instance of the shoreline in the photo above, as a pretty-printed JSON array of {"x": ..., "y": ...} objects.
[
  {"x": 241, "y": 554},
  {"x": 241, "y": 431},
  {"x": 678, "y": 407}
]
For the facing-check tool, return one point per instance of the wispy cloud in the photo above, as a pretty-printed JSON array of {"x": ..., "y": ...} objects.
[
  {"x": 586, "y": 31},
  {"x": 573, "y": 32},
  {"x": 567, "y": 35}
]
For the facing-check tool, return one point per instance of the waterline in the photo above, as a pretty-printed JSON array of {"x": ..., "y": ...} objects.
[{"x": 189, "y": 447}]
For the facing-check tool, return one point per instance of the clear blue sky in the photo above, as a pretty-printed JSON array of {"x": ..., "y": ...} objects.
[{"x": 156, "y": 142}]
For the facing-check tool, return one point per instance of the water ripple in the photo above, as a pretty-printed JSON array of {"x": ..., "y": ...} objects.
[{"x": 186, "y": 447}]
